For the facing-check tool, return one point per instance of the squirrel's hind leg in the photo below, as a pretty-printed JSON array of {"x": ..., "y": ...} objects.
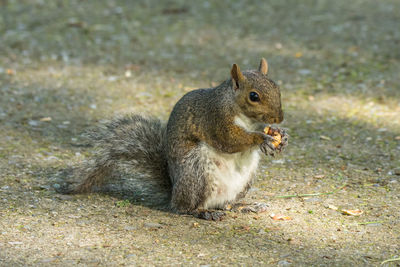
[
  {"x": 192, "y": 185},
  {"x": 189, "y": 177}
]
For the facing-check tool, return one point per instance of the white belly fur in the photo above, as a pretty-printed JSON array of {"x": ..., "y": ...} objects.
[{"x": 229, "y": 174}]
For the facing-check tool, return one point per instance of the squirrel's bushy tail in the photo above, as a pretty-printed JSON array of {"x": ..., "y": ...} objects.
[{"x": 133, "y": 139}]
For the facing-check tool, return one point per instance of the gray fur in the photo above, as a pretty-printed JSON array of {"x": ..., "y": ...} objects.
[
  {"x": 206, "y": 154},
  {"x": 134, "y": 139},
  {"x": 189, "y": 175},
  {"x": 206, "y": 116}
]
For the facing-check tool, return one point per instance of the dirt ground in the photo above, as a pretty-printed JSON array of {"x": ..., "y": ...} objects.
[{"x": 66, "y": 65}]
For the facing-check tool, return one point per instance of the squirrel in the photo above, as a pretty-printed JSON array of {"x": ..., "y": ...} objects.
[{"x": 207, "y": 152}]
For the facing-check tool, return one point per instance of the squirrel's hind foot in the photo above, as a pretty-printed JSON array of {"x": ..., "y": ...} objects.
[{"x": 210, "y": 215}]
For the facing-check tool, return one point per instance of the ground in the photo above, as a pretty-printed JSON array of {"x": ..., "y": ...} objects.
[{"x": 66, "y": 65}]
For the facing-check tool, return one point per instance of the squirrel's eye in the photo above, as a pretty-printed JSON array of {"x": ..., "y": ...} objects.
[{"x": 254, "y": 97}]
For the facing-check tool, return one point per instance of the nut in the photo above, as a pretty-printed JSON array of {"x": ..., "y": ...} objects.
[{"x": 275, "y": 134}]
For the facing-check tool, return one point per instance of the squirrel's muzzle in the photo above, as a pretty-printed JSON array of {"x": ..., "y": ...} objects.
[{"x": 279, "y": 118}]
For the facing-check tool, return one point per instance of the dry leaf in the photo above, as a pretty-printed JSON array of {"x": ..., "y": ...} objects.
[
  {"x": 247, "y": 209},
  {"x": 332, "y": 207},
  {"x": 356, "y": 212},
  {"x": 280, "y": 217},
  {"x": 45, "y": 119},
  {"x": 326, "y": 138},
  {"x": 228, "y": 207},
  {"x": 278, "y": 45},
  {"x": 243, "y": 228},
  {"x": 10, "y": 71}
]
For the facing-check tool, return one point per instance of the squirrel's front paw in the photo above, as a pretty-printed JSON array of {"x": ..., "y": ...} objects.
[
  {"x": 267, "y": 147},
  {"x": 284, "y": 139}
]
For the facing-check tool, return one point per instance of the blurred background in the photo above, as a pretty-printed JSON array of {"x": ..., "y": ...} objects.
[{"x": 77, "y": 62}]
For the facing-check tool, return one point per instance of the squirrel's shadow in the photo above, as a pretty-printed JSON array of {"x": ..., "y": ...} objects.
[{"x": 123, "y": 184}]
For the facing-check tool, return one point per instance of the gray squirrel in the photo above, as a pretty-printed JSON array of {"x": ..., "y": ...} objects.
[{"x": 207, "y": 152}]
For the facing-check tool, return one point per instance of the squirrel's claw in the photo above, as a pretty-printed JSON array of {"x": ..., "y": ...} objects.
[
  {"x": 267, "y": 147},
  {"x": 284, "y": 139}
]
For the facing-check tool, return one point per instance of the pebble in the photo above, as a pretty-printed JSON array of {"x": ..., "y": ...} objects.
[
  {"x": 74, "y": 216},
  {"x": 374, "y": 224},
  {"x": 261, "y": 232},
  {"x": 130, "y": 228},
  {"x": 56, "y": 186},
  {"x": 261, "y": 207},
  {"x": 248, "y": 209},
  {"x": 64, "y": 197},
  {"x": 284, "y": 263},
  {"x": 304, "y": 71},
  {"x": 51, "y": 158},
  {"x": 15, "y": 243},
  {"x": 396, "y": 171},
  {"x": 153, "y": 225},
  {"x": 48, "y": 260},
  {"x": 254, "y": 189},
  {"x": 112, "y": 78},
  {"x": 313, "y": 199},
  {"x": 33, "y": 123}
]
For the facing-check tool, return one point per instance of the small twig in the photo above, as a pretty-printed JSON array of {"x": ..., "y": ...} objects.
[
  {"x": 390, "y": 260},
  {"x": 312, "y": 195}
]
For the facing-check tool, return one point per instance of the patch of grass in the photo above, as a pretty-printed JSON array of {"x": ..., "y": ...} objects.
[{"x": 122, "y": 203}]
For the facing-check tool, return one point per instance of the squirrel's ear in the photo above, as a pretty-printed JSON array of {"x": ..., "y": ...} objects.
[
  {"x": 263, "y": 68},
  {"x": 237, "y": 76}
]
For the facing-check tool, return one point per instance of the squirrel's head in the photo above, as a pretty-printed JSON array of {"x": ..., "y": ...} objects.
[{"x": 258, "y": 97}]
